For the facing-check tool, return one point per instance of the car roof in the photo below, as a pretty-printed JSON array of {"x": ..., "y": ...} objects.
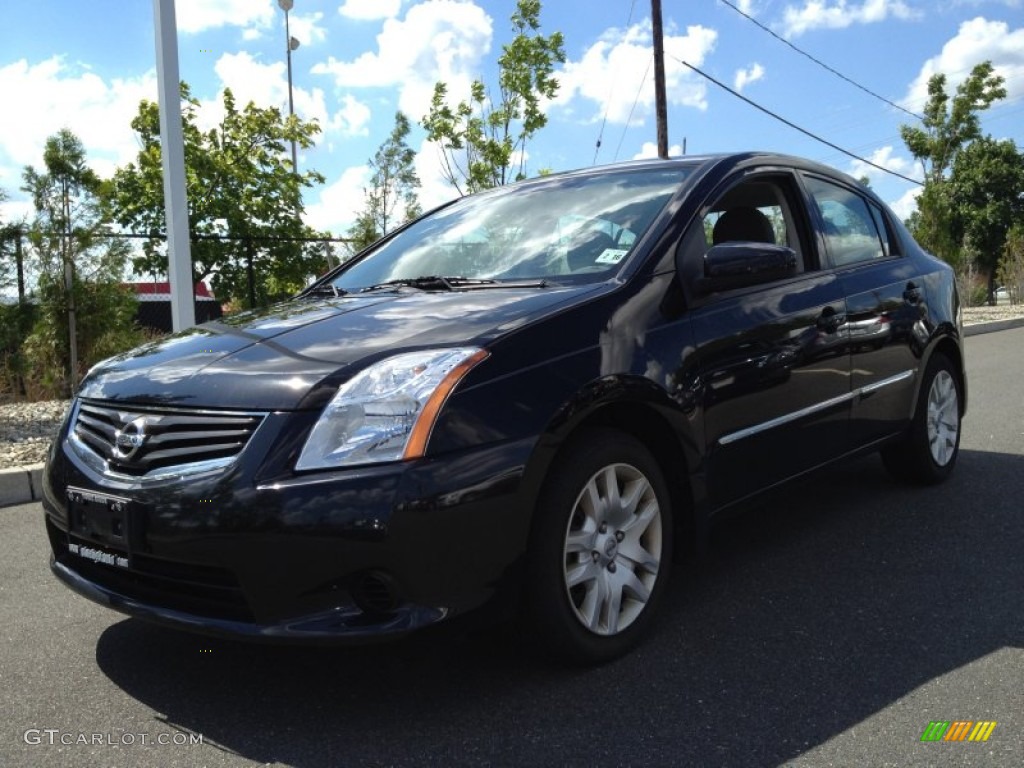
[
  {"x": 721, "y": 163},
  {"x": 725, "y": 159}
]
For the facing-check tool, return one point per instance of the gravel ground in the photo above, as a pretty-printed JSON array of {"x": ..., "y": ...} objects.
[
  {"x": 974, "y": 315},
  {"x": 27, "y": 428}
]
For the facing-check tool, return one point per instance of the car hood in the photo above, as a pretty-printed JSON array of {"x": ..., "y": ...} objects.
[{"x": 293, "y": 355}]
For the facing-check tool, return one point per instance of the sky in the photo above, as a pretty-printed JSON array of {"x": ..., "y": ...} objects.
[{"x": 86, "y": 65}]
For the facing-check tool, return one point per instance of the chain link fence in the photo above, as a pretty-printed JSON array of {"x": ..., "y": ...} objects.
[{"x": 252, "y": 264}]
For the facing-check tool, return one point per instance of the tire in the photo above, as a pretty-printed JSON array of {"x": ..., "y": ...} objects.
[
  {"x": 600, "y": 549},
  {"x": 928, "y": 452}
]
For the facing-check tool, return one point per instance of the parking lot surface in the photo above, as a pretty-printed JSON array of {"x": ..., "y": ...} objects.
[{"x": 827, "y": 627}]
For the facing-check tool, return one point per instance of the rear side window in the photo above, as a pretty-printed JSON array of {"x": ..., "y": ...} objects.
[
  {"x": 850, "y": 227},
  {"x": 889, "y": 244}
]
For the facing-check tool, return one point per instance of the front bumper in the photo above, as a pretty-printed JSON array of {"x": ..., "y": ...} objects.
[
  {"x": 320, "y": 557},
  {"x": 335, "y": 624}
]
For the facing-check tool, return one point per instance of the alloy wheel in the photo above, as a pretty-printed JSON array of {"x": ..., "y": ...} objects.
[
  {"x": 613, "y": 549},
  {"x": 943, "y": 418}
]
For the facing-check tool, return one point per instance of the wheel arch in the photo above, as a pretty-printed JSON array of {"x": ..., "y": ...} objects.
[
  {"x": 643, "y": 421},
  {"x": 949, "y": 346}
]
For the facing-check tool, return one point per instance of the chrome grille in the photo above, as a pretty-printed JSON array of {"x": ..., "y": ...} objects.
[{"x": 136, "y": 440}]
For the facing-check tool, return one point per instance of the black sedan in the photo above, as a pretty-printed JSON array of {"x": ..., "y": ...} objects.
[{"x": 539, "y": 393}]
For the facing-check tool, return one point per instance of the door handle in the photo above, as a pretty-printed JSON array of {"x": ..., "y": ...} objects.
[{"x": 829, "y": 320}]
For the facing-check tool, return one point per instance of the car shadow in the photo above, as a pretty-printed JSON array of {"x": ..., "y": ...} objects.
[{"x": 809, "y": 615}]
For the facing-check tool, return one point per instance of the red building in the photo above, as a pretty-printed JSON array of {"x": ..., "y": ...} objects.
[{"x": 155, "y": 304}]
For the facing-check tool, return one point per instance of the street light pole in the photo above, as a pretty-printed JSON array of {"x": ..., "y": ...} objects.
[{"x": 291, "y": 44}]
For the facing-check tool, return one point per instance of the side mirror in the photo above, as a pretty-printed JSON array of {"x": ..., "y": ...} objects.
[{"x": 738, "y": 265}]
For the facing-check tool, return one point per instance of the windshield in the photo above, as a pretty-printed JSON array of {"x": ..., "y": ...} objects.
[{"x": 576, "y": 229}]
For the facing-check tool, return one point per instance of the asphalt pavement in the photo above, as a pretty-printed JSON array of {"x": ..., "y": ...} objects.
[{"x": 827, "y": 627}]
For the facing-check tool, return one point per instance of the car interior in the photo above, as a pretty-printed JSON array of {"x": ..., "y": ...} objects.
[{"x": 756, "y": 212}]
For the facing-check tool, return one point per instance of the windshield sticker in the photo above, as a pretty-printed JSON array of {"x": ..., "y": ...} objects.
[{"x": 611, "y": 256}]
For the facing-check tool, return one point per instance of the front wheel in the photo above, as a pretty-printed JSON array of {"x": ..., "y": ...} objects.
[
  {"x": 600, "y": 548},
  {"x": 929, "y": 451}
]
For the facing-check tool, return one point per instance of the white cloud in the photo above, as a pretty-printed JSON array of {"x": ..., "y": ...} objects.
[
  {"x": 977, "y": 40},
  {"x": 745, "y": 77},
  {"x": 352, "y": 119},
  {"x": 438, "y": 40},
  {"x": 976, "y": 3},
  {"x": 882, "y": 156},
  {"x": 52, "y": 95},
  {"x": 649, "y": 151},
  {"x": 906, "y": 204},
  {"x": 307, "y": 29},
  {"x": 340, "y": 202},
  {"x": 839, "y": 14},
  {"x": 612, "y": 71},
  {"x": 267, "y": 86},
  {"x": 370, "y": 10},
  {"x": 264, "y": 84},
  {"x": 747, "y": 6},
  {"x": 199, "y": 15},
  {"x": 434, "y": 187},
  {"x": 14, "y": 211},
  {"x": 252, "y": 33}
]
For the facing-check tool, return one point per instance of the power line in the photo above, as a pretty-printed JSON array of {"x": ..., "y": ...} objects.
[
  {"x": 793, "y": 125},
  {"x": 639, "y": 90},
  {"x": 611, "y": 91},
  {"x": 820, "y": 63}
]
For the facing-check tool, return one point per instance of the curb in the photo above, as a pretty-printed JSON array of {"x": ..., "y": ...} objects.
[
  {"x": 994, "y": 325},
  {"x": 21, "y": 485}
]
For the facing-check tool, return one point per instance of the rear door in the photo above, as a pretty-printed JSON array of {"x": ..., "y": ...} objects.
[{"x": 884, "y": 306}]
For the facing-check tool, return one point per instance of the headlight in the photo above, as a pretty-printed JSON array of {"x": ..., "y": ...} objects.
[{"x": 386, "y": 412}]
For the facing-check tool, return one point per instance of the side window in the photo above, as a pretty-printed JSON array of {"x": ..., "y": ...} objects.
[
  {"x": 889, "y": 244},
  {"x": 754, "y": 211},
  {"x": 850, "y": 226}
]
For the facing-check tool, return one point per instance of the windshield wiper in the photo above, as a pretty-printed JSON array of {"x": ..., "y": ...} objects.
[
  {"x": 430, "y": 282},
  {"x": 327, "y": 289},
  {"x": 438, "y": 283}
]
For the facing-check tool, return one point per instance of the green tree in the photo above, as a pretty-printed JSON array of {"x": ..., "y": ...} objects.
[
  {"x": 955, "y": 200},
  {"x": 8, "y": 233},
  {"x": 80, "y": 270},
  {"x": 949, "y": 126},
  {"x": 391, "y": 198},
  {"x": 483, "y": 141},
  {"x": 986, "y": 189},
  {"x": 68, "y": 233},
  {"x": 16, "y": 319},
  {"x": 12, "y": 257},
  {"x": 240, "y": 187}
]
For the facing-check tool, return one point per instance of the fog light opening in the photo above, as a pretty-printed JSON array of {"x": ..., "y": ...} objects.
[{"x": 375, "y": 592}]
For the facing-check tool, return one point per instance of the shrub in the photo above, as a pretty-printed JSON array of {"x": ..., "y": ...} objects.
[
  {"x": 1011, "y": 266},
  {"x": 105, "y": 326}
]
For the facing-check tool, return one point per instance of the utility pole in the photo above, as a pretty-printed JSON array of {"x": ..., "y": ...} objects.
[{"x": 660, "y": 111}]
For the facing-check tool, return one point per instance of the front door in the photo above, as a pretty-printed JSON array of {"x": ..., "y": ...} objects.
[{"x": 774, "y": 368}]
